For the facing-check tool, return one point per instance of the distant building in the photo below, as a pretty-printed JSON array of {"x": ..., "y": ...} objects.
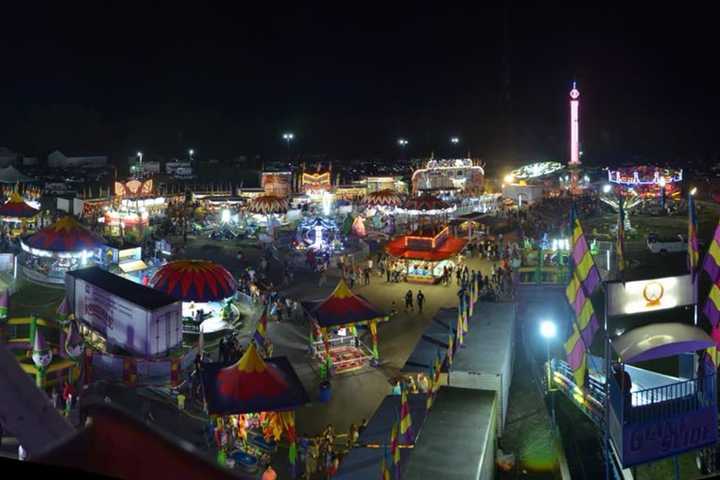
[
  {"x": 7, "y": 157},
  {"x": 57, "y": 159},
  {"x": 179, "y": 169},
  {"x": 143, "y": 168}
]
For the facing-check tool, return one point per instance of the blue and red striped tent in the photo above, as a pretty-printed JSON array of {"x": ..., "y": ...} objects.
[
  {"x": 195, "y": 281},
  {"x": 252, "y": 385},
  {"x": 65, "y": 235},
  {"x": 16, "y": 207},
  {"x": 343, "y": 307}
]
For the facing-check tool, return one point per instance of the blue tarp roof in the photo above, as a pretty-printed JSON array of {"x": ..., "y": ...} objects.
[
  {"x": 423, "y": 356},
  {"x": 363, "y": 463},
  {"x": 379, "y": 426}
]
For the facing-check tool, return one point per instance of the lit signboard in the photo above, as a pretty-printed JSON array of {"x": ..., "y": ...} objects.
[{"x": 650, "y": 295}]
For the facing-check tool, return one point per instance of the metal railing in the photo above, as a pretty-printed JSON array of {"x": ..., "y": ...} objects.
[{"x": 671, "y": 400}]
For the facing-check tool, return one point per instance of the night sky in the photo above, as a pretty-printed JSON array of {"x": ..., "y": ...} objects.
[{"x": 350, "y": 78}]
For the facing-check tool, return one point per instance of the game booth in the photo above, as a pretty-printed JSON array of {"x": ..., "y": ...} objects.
[
  {"x": 334, "y": 338},
  {"x": 18, "y": 215},
  {"x": 207, "y": 291},
  {"x": 253, "y": 403},
  {"x": 63, "y": 246},
  {"x": 425, "y": 254}
]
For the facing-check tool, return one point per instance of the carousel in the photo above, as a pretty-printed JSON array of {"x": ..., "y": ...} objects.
[
  {"x": 334, "y": 338},
  {"x": 63, "y": 246},
  {"x": 18, "y": 215},
  {"x": 423, "y": 256},
  {"x": 252, "y": 403},
  {"x": 207, "y": 291}
]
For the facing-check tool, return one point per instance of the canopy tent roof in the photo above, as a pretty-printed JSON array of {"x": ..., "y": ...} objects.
[
  {"x": 383, "y": 198},
  {"x": 452, "y": 246},
  {"x": 16, "y": 207},
  {"x": 267, "y": 204},
  {"x": 660, "y": 340},
  {"x": 11, "y": 175},
  {"x": 195, "y": 281},
  {"x": 426, "y": 203},
  {"x": 65, "y": 235},
  {"x": 252, "y": 385},
  {"x": 343, "y": 307}
]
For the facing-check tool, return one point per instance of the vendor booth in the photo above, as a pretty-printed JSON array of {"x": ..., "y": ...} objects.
[
  {"x": 255, "y": 401},
  {"x": 63, "y": 246},
  {"x": 334, "y": 337},
  {"x": 18, "y": 216},
  {"x": 425, "y": 254},
  {"x": 206, "y": 289}
]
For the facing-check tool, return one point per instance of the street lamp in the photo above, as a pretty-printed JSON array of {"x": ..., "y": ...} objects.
[
  {"x": 402, "y": 142},
  {"x": 548, "y": 330},
  {"x": 288, "y": 137},
  {"x": 693, "y": 191},
  {"x": 455, "y": 141},
  {"x": 139, "y": 154},
  {"x": 191, "y": 152}
]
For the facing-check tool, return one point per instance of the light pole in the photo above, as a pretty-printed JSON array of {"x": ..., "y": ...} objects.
[
  {"x": 288, "y": 137},
  {"x": 455, "y": 141},
  {"x": 403, "y": 143},
  {"x": 548, "y": 330}
]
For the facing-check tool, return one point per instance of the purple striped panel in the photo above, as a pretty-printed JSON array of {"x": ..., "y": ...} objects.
[{"x": 711, "y": 312}]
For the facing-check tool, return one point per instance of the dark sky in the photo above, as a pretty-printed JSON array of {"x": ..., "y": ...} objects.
[{"x": 350, "y": 78}]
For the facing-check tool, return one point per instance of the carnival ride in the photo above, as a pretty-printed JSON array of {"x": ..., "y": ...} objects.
[
  {"x": 206, "y": 289},
  {"x": 19, "y": 214},
  {"x": 536, "y": 170},
  {"x": 65, "y": 245}
]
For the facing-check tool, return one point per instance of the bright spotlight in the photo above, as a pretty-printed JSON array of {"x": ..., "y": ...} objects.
[
  {"x": 606, "y": 188},
  {"x": 509, "y": 178},
  {"x": 548, "y": 329},
  {"x": 693, "y": 191},
  {"x": 225, "y": 216}
]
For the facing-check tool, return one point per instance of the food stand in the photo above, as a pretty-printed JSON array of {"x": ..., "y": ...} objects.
[
  {"x": 18, "y": 215},
  {"x": 425, "y": 254}
]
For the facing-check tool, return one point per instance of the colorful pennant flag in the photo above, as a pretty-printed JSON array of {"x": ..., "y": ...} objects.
[
  {"x": 581, "y": 259},
  {"x": 584, "y": 280},
  {"x": 260, "y": 334},
  {"x": 693, "y": 246},
  {"x": 711, "y": 263},
  {"x": 712, "y": 306},
  {"x": 405, "y": 420},
  {"x": 384, "y": 472},
  {"x": 395, "y": 449}
]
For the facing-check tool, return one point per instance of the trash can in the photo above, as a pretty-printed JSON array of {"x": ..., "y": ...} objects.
[{"x": 325, "y": 392}]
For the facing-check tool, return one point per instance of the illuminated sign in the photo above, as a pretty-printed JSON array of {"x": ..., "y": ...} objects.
[
  {"x": 134, "y": 188},
  {"x": 643, "y": 177},
  {"x": 650, "y": 295},
  {"x": 668, "y": 436}
]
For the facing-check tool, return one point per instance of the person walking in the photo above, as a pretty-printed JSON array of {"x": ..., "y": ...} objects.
[
  {"x": 420, "y": 300},
  {"x": 409, "y": 301}
]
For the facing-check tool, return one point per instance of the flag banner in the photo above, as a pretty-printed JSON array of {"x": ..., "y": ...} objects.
[
  {"x": 711, "y": 264},
  {"x": 693, "y": 246},
  {"x": 712, "y": 306},
  {"x": 405, "y": 420}
]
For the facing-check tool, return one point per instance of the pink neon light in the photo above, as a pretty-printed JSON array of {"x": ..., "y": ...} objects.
[{"x": 574, "y": 127}]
